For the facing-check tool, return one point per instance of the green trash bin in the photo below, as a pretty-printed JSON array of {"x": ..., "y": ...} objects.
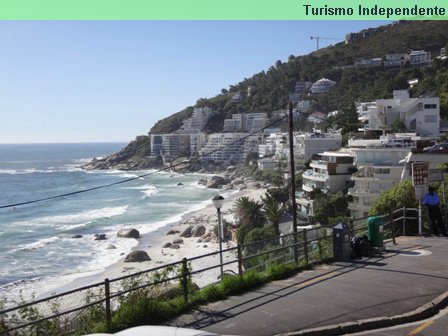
[{"x": 375, "y": 230}]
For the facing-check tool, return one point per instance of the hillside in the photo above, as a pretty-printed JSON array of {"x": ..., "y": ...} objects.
[{"x": 269, "y": 90}]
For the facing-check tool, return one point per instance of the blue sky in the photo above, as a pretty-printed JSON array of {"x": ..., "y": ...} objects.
[{"x": 100, "y": 81}]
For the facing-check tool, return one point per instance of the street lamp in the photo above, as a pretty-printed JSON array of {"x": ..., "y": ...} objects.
[{"x": 218, "y": 201}]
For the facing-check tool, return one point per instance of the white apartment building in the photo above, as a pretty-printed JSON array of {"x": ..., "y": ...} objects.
[
  {"x": 170, "y": 146},
  {"x": 248, "y": 122},
  {"x": 225, "y": 147},
  {"x": 395, "y": 60},
  {"x": 197, "y": 121},
  {"x": 330, "y": 173},
  {"x": 379, "y": 169},
  {"x": 322, "y": 85},
  {"x": 420, "y": 58},
  {"x": 308, "y": 144},
  {"x": 197, "y": 141},
  {"x": 420, "y": 115}
]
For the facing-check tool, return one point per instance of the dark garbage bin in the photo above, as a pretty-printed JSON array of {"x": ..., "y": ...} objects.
[
  {"x": 375, "y": 231},
  {"x": 341, "y": 242}
]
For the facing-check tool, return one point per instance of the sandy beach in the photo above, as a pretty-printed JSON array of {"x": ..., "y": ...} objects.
[{"x": 153, "y": 243}]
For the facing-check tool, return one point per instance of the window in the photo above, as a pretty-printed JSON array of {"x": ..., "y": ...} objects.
[
  {"x": 430, "y": 119},
  {"x": 430, "y": 106},
  {"x": 381, "y": 171}
]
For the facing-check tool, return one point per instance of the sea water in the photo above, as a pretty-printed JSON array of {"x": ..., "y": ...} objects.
[{"x": 37, "y": 247}]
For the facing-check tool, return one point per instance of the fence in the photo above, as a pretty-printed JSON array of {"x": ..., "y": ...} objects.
[{"x": 77, "y": 311}]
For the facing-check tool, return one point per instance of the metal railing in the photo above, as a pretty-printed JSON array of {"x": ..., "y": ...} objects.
[{"x": 78, "y": 310}]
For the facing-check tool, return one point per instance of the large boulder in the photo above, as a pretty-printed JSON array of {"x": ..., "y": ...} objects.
[
  {"x": 187, "y": 232},
  {"x": 216, "y": 182},
  {"x": 137, "y": 256},
  {"x": 128, "y": 233},
  {"x": 198, "y": 230}
]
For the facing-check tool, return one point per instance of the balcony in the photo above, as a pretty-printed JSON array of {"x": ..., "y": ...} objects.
[
  {"x": 319, "y": 164},
  {"x": 311, "y": 175}
]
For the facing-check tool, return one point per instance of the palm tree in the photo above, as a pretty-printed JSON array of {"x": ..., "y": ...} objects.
[
  {"x": 249, "y": 216},
  {"x": 273, "y": 211}
]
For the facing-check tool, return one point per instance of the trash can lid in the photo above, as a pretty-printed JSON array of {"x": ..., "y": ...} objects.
[{"x": 375, "y": 219}]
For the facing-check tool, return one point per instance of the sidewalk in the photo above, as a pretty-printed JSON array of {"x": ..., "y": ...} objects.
[{"x": 407, "y": 282}]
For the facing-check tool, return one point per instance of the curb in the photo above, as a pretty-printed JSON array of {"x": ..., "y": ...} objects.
[{"x": 427, "y": 310}]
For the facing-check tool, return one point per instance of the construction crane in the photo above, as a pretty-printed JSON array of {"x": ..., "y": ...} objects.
[{"x": 317, "y": 38}]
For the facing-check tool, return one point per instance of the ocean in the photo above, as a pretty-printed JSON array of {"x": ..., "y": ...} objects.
[{"x": 38, "y": 251}]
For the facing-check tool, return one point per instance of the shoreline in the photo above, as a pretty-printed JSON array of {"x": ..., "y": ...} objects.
[{"x": 153, "y": 243}]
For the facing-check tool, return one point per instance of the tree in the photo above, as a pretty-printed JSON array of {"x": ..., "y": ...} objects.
[
  {"x": 401, "y": 195},
  {"x": 347, "y": 118},
  {"x": 273, "y": 211},
  {"x": 330, "y": 208},
  {"x": 397, "y": 126},
  {"x": 249, "y": 215}
]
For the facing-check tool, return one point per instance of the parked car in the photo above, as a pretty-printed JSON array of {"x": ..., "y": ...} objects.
[
  {"x": 441, "y": 148},
  {"x": 158, "y": 331},
  {"x": 394, "y": 143}
]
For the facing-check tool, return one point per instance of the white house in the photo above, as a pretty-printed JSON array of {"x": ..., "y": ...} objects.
[
  {"x": 420, "y": 58},
  {"x": 330, "y": 173},
  {"x": 379, "y": 169},
  {"x": 420, "y": 115},
  {"x": 322, "y": 85}
]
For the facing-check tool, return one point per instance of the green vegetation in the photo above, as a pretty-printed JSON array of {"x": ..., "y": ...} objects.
[
  {"x": 269, "y": 90},
  {"x": 331, "y": 209},
  {"x": 401, "y": 195}
]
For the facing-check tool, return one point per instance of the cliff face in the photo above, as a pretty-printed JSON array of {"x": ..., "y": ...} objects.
[{"x": 135, "y": 156}]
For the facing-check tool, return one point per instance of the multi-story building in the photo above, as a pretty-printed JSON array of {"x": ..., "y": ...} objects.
[
  {"x": 395, "y": 60},
  {"x": 228, "y": 147},
  {"x": 322, "y": 85},
  {"x": 248, "y": 122},
  {"x": 378, "y": 169},
  {"x": 420, "y": 115},
  {"x": 170, "y": 146},
  {"x": 330, "y": 173},
  {"x": 197, "y": 121},
  {"x": 308, "y": 144},
  {"x": 420, "y": 58}
]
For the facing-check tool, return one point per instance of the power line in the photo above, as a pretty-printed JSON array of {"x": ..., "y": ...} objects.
[{"x": 139, "y": 176}]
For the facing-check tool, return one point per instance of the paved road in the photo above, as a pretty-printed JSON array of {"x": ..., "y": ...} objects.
[
  {"x": 406, "y": 277},
  {"x": 434, "y": 326}
]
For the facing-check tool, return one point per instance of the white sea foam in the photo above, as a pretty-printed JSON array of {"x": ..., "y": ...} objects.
[
  {"x": 150, "y": 191},
  {"x": 86, "y": 216},
  {"x": 38, "y": 244}
]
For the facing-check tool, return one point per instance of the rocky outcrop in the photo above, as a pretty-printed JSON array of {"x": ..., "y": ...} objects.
[
  {"x": 135, "y": 156},
  {"x": 137, "y": 256},
  {"x": 128, "y": 233}
]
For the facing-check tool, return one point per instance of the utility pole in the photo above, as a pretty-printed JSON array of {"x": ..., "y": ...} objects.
[{"x": 293, "y": 183}]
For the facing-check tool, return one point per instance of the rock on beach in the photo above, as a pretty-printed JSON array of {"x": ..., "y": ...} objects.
[
  {"x": 137, "y": 256},
  {"x": 128, "y": 233}
]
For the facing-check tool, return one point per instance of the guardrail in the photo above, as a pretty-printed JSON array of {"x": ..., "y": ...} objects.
[{"x": 77, "y": 310}]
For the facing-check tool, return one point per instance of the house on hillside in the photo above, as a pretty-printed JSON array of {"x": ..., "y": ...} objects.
[
  {"x": 330, "y": 172},
  {"x": 378, "y": 169},
  {"x": 322, "y": 85},
  {"x": 420, "y": 115},
  {"x": 420, "y": 58},
  {"x": 395, "y": 60}
]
